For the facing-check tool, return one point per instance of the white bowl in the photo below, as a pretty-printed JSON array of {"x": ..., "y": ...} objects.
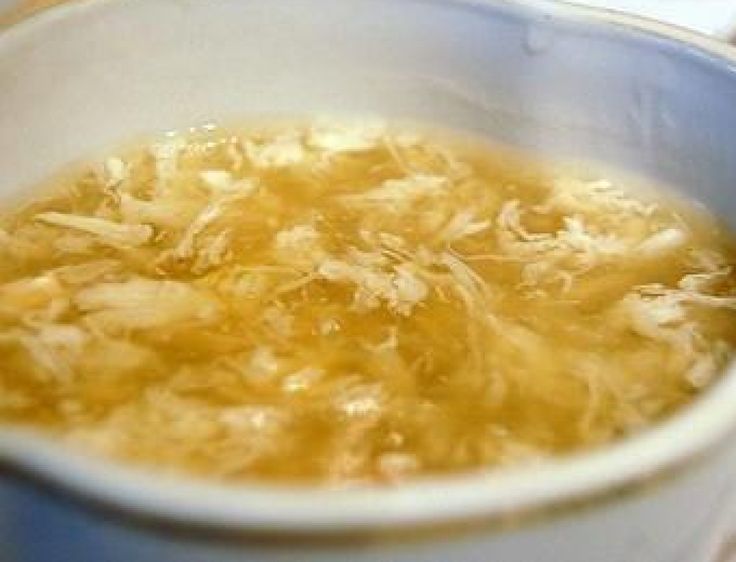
[{"x": 564, "y": 81}]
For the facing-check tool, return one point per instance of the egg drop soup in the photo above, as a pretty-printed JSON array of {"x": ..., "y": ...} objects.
[{"x": 340, "y": 302}]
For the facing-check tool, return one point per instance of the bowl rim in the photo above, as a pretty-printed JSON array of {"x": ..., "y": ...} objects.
[{"x": 592, "y": 476}]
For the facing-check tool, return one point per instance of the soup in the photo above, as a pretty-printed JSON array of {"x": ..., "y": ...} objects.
[{"x": 339, "y": 302}]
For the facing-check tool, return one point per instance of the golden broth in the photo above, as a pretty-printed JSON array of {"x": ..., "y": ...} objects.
[{"x": 339, "y": 302}]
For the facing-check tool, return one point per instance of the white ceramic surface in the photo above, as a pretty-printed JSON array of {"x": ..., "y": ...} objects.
[
  {"x": 548, "y": 77},
  {"x": 713, "y": 17}
]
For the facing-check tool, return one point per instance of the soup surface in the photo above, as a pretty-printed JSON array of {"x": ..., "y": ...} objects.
[{"x": 343, "y": 302}]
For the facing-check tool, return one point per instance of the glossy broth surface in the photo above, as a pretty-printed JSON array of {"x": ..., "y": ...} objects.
[{"x": 345, "y": 302}]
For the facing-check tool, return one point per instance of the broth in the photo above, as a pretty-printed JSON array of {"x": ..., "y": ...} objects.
[{"x": 343, "y": 302}]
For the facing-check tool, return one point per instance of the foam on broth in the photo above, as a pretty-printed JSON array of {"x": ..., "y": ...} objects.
[{"x": 340, "y": 302}]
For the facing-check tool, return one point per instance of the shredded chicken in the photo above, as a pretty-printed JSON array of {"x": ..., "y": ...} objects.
[
  {"x": 400, "y": 194},
  {"x": 337, "y": 136},
  {"x": 104, "y": 231},
  {"x": 142, "y": 304},
  {"x": 280, "y": 152}
]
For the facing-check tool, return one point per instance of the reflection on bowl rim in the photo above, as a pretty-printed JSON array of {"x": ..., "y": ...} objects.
[{"x": 490, "y": 499}]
